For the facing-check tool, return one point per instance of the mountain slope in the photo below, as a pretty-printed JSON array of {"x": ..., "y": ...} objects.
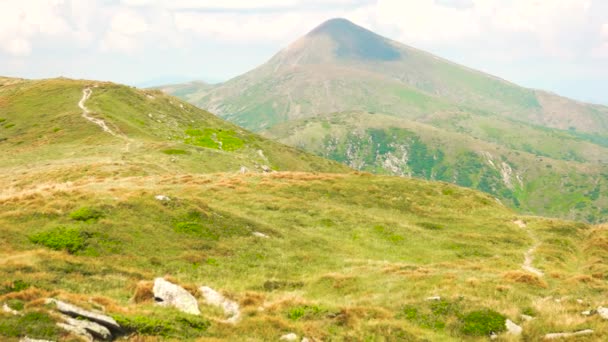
[
  {"x": 562, "y": 175},
  {"x": 43, "y": 125},
  {"x": 91, "y": 216},
  {"x": 340, "y": 66}
]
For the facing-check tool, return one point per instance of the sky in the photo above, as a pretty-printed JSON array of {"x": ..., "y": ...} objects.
[{"x": 556, "y": 45}]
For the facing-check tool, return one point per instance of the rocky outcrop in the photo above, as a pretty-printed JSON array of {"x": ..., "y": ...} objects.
[
  {"x": 231, "y": 309},
  {"x": 169, "y": 294},
  {"x": 86, "y": 328},
  {"x": 27, "y": 339},
  {"x": 76, "y": 312}
]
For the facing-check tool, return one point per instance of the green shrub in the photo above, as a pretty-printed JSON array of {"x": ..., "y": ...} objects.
[
  {"x": 173, "y": 151},
  {"x": 15, "y": 304},
  {"x": 176, "y": 326},
  {"x": 306, "y": 312},
  {"x": 483, "y": 322},
  {"x": 195, "y": 228},
  {"x": 424, "y": 319},
  {"x": 16, "y": 286},
  {"x": 86, "y": 214},
  {"x": 36, "y": 325},
  {"x": 71, "y": 240}
]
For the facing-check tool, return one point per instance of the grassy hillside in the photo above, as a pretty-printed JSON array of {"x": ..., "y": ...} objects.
[
  {"x": 348, "y": 256},
  {"x": 536, "y": 151},
  {"x": 327, "y": 256},
  {"x": 532, "y": 169},
  {"x": 41, "y": 125}
]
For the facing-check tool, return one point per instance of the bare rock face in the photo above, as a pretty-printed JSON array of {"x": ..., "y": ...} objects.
[
  {"x": 94, "y": 317},
  {"x": 169, "y": 294}
]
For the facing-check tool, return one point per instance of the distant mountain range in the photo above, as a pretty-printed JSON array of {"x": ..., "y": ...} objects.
[{"x": 346, "y": 93}]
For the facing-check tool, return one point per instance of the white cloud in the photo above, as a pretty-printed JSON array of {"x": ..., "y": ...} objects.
[
  {"x": 125, "y": 32},
  {"x": 20, "y": 21}
]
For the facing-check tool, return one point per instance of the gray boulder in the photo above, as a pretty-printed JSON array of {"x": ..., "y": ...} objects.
[{"x": 169, "y": 294}]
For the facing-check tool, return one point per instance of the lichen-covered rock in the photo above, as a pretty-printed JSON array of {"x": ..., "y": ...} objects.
[{"x": 169, "y": 294}]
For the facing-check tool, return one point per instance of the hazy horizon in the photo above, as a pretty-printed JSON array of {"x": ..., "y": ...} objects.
[{"x": 559, "y": 46}]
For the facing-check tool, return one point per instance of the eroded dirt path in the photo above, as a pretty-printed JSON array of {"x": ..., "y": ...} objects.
[
  {"x": 529, "y": 254},
  {"x": 86, "y": 94}
]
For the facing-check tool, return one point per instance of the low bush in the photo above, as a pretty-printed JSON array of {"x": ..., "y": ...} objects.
[
  {"x": 306, "y": 312},
  {"x": 71, "y": 240},
  {"x": 15, "y": 286},
  {"x": 86, "y": 214},
  {"x": 483, "y": 323}
]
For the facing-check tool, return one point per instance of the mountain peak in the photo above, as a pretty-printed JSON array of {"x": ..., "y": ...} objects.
[{"x": 355, "y": 42}]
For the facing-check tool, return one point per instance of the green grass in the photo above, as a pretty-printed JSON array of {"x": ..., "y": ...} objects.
[
  {"x": 36, "y": 325},
  {"x": 72, "y": 240},
  {"x": 349, "y": 256}
]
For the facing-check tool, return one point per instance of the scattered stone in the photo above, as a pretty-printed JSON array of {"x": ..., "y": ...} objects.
[
  {"x": 27, "y": 339},
  {"x": 289, "y": 337},
  {"x": 77, "y": 331},
  {"x": 588, "y": 312},
  {"x": 526, "y": 318},
  {"x": 7, "y": 309},
  {"x": 243, "y": 170},
  {"x": 520, "y": 223},
  {"x": 231, "y": 309},
  {"x": 513, "y": 328},
  {"x": 555, "y": 336},
  {"x": 92, "y": 329},
  {"x": 434, "y": 298},
  {"x": 261, "y": 235},
  {"x": 76, "y": 312},
  {"x": 493, "y": 336},
  {"x": 169, "y": 294},
  {"x": 603, "y": 312},
  {"x": 266, "y": 168},
  {"x": 580, "y": 301},
  {"x": 162, "y": 198},
  {"x": 305, "y": 339}
]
